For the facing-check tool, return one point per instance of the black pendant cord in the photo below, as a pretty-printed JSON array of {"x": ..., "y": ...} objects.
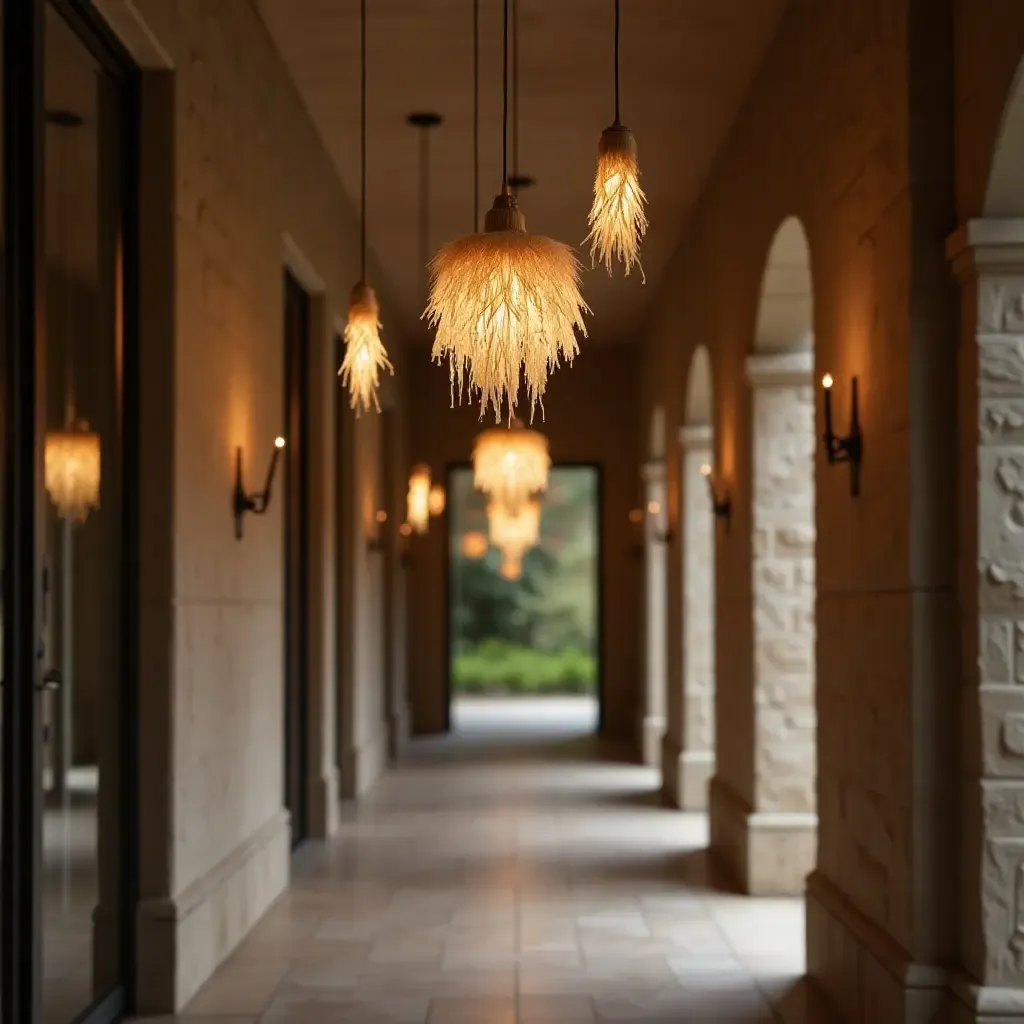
[
  {"x": 362, "y": 129},
  {"x": 424, "y": 203},
  {"x": 515, "y": 89},
  {"x": 616, "y": 61},
  {"x": 476, "y": 116},
  {"x": 504, "y": 102}
]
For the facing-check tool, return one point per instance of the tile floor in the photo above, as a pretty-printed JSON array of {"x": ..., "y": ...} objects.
[{"x": 491, "y": 879}]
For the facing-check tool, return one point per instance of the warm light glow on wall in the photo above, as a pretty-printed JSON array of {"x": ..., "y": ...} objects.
[
  {"x": 72, "y": 472},
  {"x": 436, "y": 500},
  {"x": 418, "y": 499},
  {"x": 510, "y": 465},
  {"x": 474, "y": 545}
]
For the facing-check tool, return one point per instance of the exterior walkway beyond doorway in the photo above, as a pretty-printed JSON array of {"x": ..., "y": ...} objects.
[{"x": 492, "y": 880}]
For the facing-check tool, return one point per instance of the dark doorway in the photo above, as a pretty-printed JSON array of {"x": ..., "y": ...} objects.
[{"x": 296, "y": 559}]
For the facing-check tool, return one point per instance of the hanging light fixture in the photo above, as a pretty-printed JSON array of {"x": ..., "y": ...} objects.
[
  {"x": 417, "y": 513},
  {"x": 511, "y": 568},
  {"x": 514, "y": 533},
  {"x": 71, "y": 457},
  {"x": 436, "y": 500},
  {"x": 365, "y": 355},
  {"x": 617, "y": 218},
  {"x": 474, "y": 545},
  {"x": 511, "y": 464},
  {"x": 506, "y": 303}
]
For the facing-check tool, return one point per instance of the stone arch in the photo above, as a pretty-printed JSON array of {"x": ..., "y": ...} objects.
[
  {"x": 689, "y": 748},
  {"x": 764, "y": 821},
  {"x": 1004, "y": 196}
]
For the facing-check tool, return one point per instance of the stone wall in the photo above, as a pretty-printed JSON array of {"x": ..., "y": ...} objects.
[
  {"x": 237, "y": 186},
  {"x": 848, "y": 125}
]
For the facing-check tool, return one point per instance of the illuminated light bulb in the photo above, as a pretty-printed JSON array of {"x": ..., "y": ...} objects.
[
  {"x": 72, "y": 471},
  {"x": 705, "y": 470},
  {"x": 278, "y": 442},
  {"x": 365, "y": 355},
  {"x": 826, "y": 381},
  {"x": 382, "y": 516},
  {"x": 653, "y": 507}
]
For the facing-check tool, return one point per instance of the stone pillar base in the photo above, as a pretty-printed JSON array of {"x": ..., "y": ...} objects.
[
  {"x": 181, "y": 940},
  {"x": 363, "y": 765},
  {"x": 685, "y": 775},
  {"x": 323, "y": 806},
  {"x": 859, "y": 967},
  {"x": 652, "y": 731},
  {"x": 768, "y": 853},
  {"x": 984, "y": 1004}
]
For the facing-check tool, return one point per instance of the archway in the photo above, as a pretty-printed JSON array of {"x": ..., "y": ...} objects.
[
  {"x": 655, "y": 667},
  {"x": 688, "y": 759},
  {"x": 763, "y": 807}
]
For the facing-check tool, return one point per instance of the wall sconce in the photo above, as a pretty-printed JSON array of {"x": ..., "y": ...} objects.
[
  {"x": 660, "y": 536},
  {"x": 241, "y": 501},
  {"x": 721, "y": 508},
  {"x": 436, "y": 500},
  {"x": 418, "y": 499},
  {"x": 849, "y": 448},
  {"x": 376, "y": 542}
]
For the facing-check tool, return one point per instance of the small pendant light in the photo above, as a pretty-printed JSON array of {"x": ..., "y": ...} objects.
[
  {"x": 617, "y": 219},
  {"x": 506, "y": 303},
  {"x": 365, "y": 355}
]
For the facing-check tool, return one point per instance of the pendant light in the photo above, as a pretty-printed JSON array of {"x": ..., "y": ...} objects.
[
  {"x": 365, "y": 355},
  {"x": 513, "y": 534},
  {"x": 506, "y": 303},
  {"x": 617, "y": 218},
  {"x": 511, "y": 464},
  {"x": 71, "y": 457}
]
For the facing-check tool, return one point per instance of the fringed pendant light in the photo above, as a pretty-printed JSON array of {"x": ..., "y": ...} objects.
[
  {"x": 506, "y": 303},
  {"x": 72, "y": 471},
  {"x": 514, "y": 533},
  {"x": 365, "y": 355},
  {"x": 511, "y": 464},
  {"x": 618, "y": 221}
]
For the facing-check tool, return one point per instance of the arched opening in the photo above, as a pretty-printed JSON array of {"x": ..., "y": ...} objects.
[
  {"x": 763, "y": 804},
  {"x": 690, "y": 739},
  {"x": 655, "y": 666}
]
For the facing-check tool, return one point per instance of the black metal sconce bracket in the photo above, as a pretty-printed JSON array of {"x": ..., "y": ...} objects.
[
  {"x": 849, "y": 449},
  {"x": 258, "y": 503},
  {"x": 721, "y": 508}
]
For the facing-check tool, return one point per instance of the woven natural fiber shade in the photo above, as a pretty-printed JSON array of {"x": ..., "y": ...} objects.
[
  {"x": 510, "y": 464},
  {"x": 418, "y": 499},
  {"x": 618, "y": 221},
  {"x": 365, "y": 355},
  {"x": 72, "y": 472},
  {"x": 514, "y": 533},
  {"x": 506, "y": 305}
]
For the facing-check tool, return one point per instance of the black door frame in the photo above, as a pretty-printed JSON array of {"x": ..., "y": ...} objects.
[
  {"x": 296, "y": 573},
  {"x": 598, "y": 468},
  {"x": 24, "y": 318}
]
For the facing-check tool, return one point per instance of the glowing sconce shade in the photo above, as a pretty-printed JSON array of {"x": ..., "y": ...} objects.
[
  {"x": 474, "y": 545},
  {"x": 436, "y": 500},
  {"x": 509, "y": 465},
  {"x": 418, "y": 499},
  {"x": 72, "y": 471}
]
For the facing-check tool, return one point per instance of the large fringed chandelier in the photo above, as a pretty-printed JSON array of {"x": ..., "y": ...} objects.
[
  {"x": 511, "y": 464},
  {"x": 365, "y": 355},
  {"x": 506, "y": 303},
  {"x": 617, "y": 219},
  {"x": 71, "y": 466}
]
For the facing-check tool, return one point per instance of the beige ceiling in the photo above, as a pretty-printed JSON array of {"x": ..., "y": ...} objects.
[{"x": 686, "y": 66}]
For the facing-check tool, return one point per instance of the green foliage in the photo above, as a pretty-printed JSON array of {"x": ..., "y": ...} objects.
[{"x": 496, "y": 666}]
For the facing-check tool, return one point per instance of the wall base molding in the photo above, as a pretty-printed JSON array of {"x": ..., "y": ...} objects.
[
  {"x": 182, "y": 939},
  {"x": 984, "y": 1004},
  {"x": 768, "y": 853},
  {"x": 861, "y": 968},
  {"x": 685, "y": 775}
]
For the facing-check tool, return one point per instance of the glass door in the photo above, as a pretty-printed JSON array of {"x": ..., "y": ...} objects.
[{"x": 68, "y": 539}]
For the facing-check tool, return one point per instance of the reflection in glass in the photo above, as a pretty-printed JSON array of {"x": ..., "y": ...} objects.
[
  {"x": 82, "y": 606},
  {"x": 532, "y": 632}
]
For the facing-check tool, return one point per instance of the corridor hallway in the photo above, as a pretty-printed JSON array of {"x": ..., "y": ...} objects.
[{"x": 512, "y": 872}]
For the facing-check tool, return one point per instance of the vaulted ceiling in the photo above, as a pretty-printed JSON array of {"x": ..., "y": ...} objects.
[{"x": 686, "y": 66}]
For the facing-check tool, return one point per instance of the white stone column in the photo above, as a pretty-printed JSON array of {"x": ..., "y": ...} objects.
[
  {"x": 655, "y": 609},
  {"x": 988, "y": 257},
  {"x": 768, "y": 834},
  {"x": 690, "y": 732}
]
